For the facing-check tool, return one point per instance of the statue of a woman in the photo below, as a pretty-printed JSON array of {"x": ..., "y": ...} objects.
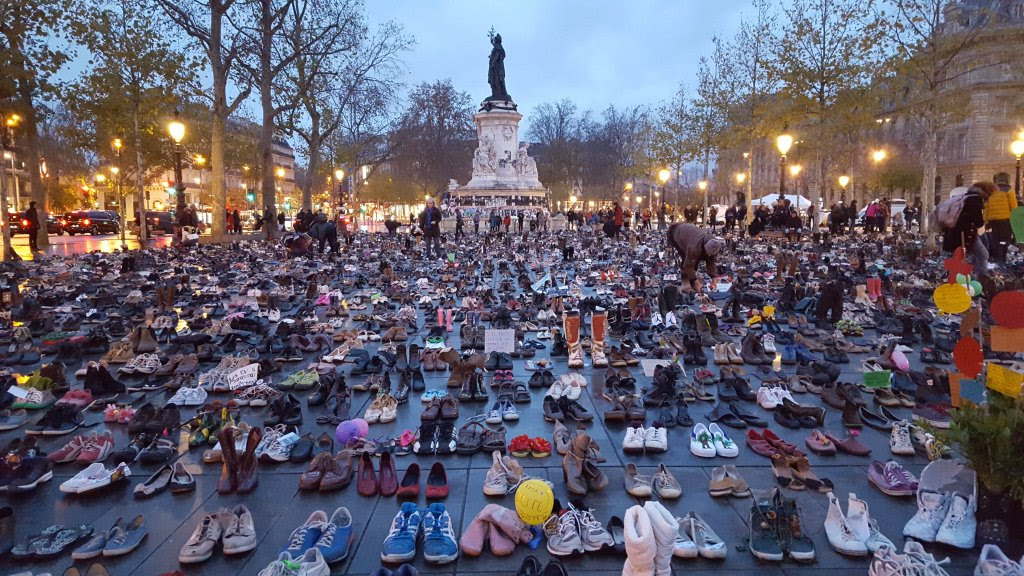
[{"x": 496, "y": 71}]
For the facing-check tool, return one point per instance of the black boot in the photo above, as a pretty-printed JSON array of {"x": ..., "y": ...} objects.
[{"x": 6, "y": 529}]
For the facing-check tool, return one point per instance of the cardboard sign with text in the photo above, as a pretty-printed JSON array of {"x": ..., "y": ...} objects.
[
  {"x": 499, "y": 341},
  {"x": 244, "y": 376},
  {"x": 1004, "y": 380},
  {"x": 879, "y": 379}
]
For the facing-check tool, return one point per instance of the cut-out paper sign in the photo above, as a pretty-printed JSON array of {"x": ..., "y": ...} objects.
[
  {"x": 1003, "y": 380},
  {"x": 244, "y": 376},
  {"x": 967, "y": 356},
  {"x": 956, "y": 264},
  {"x": 952, "y": 298},
  {"x": 879, "y": 379},
  {"x": 963, "y": 389},
  {"x": 1017, "y": 223},
  {"x": 1008, "y": 309},
  {"x": 1005, "y": 339},
  {"x": 969, "y": 321}
]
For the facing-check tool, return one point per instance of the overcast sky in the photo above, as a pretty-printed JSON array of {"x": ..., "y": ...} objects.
[{"x": 594, "y": 52}]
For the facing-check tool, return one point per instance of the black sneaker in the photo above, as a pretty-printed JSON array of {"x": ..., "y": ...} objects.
[
  {"x": 764, "y": 527},
  {"x": 797, "y": 544},
  {"x": 29, "y": 473}
]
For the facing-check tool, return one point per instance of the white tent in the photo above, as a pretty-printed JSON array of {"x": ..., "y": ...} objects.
[{"x": 801, "y": 202}]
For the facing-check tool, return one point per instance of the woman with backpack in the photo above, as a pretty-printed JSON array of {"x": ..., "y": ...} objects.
[{"x": 960, "y": 218}]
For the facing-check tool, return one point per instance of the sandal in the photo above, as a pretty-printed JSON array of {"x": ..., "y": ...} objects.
[
  {"x": 494, "y": 440},
  {"x": 801, "y": 472},
  {"x": 784, "y": 474},
  {"x": 519, "y": 446},
  {"x": 470, "y": 438}
]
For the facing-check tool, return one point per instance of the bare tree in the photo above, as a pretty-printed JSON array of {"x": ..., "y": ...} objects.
[
  {"x": 560, "y": 130},
  {"x": 208, "y": 23}
]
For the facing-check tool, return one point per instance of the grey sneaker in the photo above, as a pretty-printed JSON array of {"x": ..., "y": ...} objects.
[
  {"x": 239, "y": 531},
  {"x": 200, "y": 545},
  {"x": 593, "y": 534},
  {"x": 123, "y": 538},
  {"x": 960, "y": 524},
  {"x": 11, "y": 419},
  {"x": 931, "y": 511},
  {"x": 563, "y": 534}
]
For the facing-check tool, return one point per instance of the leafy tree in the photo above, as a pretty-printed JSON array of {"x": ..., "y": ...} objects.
[
  {"x": 136, "y": 76},
  {"x": 32, "y": 49},
  {"x": 561, "y": 131}
]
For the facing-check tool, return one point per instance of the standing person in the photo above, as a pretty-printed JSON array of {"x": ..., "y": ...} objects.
[
  {"x": 851, "y": 215},
  {"x": 236, "y": 221},
  {"x": 431, "y": 221},
  {"x": 507, "y": 221},
  {"x": 713, "y": 217},
  {"x": 227, "y": 221},
  {"x": 730, "y": 218},
  {"x": 476, "y": 222},
  {"x": 965, "y": 231},
  {"x": 661, "y": 217},
  {"x": 617, "y": 220},
  {"x": 325, "y": 231},
  {"x": 458, "y": 225},
  {"x": 519, "y": 216},
  {"x": 280, "y": 220},
  {"x": 32, "y": 217},
  {"x": 883, "y": 216},
  {"x": 811, "y": 218},
  {"x": 997, "y": 217}
]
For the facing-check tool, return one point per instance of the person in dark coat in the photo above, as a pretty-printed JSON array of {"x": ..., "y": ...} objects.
[
  {"x": 236, "y": 222},
  {"x": 32, "y": 217},
  {"x": 325, "y": 232},
  {"x": 965, "y": 233},
  {"x": 432, "y": 227},
  {"x": 695, "y": 245}
]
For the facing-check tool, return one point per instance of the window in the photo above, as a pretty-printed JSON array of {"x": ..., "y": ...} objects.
[
  {"x": 961, "y": 146},
  {"x": 1017, "y": 10}
]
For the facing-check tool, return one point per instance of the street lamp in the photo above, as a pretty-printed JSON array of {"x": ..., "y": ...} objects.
[
  {"x": 116, "y": 146},
  {"x": 279, "y": 172},
  {"x": 741, "y": 177},
  {"x": 784, "y": 142},
  {"x": 339, "y": 175},
  {"x": 176, "y": 130},
  {"x": 844, "y": 181},
  {"x": 1017, "y": 147}
]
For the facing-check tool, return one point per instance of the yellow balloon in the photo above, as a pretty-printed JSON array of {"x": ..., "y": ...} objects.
[{"x": 534, "y": 500}]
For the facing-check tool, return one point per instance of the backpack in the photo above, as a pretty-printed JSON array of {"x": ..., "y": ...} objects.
[{"x": 948, "y": 211}]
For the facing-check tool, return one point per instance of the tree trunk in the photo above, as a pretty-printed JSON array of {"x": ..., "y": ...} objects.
[
  {"x": 220, "y": 120},
  {"x": 314, "y": 167},
  {"x": 140, "y": 192},
  {"x": 928, "y": 160},
  {"x": 30, "y": 144},
  {"x": 269, "y": 191},
  {"x": 6, "y": 230},
  {"x": 750, "y": 185}
]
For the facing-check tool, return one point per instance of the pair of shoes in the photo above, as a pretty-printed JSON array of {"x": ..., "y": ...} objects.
[
  {"x": 775, "y": 529},
  {"x": 915, "y": 560},
  {"x": 651, "y": 534},
  {"x": 638, "y": 439},
  {"x": 504, "y": 474},
  {"x": 944, "y": 517},
  {"x": 367, "y": 483},
  {"x": 95, "y": 477},
  {"x": 726, "y": 481},
  {"x": 522, "y": 446},
  {"x": 855, "y": 533},
  {"x": 179, "y": 479},
  {"x": 530, "y": 566},
  {"x": 711, "y": 441},
  {"x": 327, "y": 472},
  {"x": 320, "y": 541},
  {"x": 497, "y": 526},
  {"x": 437, "y": 482},
  {"x": 439, "y": 545},
  {"x": 121, "y": 539},
  {"x": 239, "y": 472},
  {"x": 663, "y": 483},
  {"x": 579, "y": 466}
]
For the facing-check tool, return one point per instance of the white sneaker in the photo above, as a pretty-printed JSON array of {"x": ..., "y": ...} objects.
[
  {"x": 633, "y": 441},
  {"x": 960, "y": 524},
  {"x": 724, "y": 446},
  {"x": 684, "y": 546},
  {"x": 671, "y": 321},
  {"x": 768, "y": 397},
  {"x": 931, "y": 511},
  {"x": 496, "y": 481},
  {"x": 768, "y": 342},
  {"x": 563, "y": 535},
  {"x": 899, "y": 440},
  {"x": 841, "y": 536},
  {"x": 656, "y": 439},
  {"x": 313, "y": 564},
  {"x": 274, "y": 315},
  {"x": 544, "y": 335},
  {"x": 992, "y": 562},
  {"x": 863, "y": 525},
  {"x": 701, "y": 442},
  {"x": 189, "y": 396},
  {"x": 709, "y": 544},
  {"x": 593, "y": 534},
  {"x": 656, "y": 319}
]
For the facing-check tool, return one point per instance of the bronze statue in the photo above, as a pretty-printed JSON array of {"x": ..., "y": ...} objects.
[{"x": 496, "y": 71}]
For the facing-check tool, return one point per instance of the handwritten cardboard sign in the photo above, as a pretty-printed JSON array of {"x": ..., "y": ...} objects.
[
  {"x": 1003, "y": 380},
  {"x": 1017, "y": 223},
  {"x": 963, "y": 389},
  {"x": 244, "y": 376},
  {"x": 499, "y": 341},
  {"x": 879, "y": 379}
]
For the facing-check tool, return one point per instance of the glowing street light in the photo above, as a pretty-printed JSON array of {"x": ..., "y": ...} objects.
[
  {"x": 702, "y": 185},
  {"x": 664, "y": 174},
  {"x": 844, "y": 181},
  {"x": 1017, "y": 147},
  {"x": 200, "y": 160},
  {"x": 741, "y": 177},
  {"x": 176, "y": 130},
  {"x": 879, "y": 156},
  {"x": 795, "y": 170},
  {"x": 784, "y": 142}
]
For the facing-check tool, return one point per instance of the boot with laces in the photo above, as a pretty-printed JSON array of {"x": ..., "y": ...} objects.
[
  {"x": 599, "y": 326},
  {"x": 864, "y": 526},
  {"x": 932, "y": 508},
  {"x": 960, "y": 524},
  {"x": 571, "y": 326},
  {"x": 840, "y": 534}
]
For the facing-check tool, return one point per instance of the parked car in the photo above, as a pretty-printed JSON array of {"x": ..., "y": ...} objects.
[
  {"x": 19, "y": 225},
  {"x": 94, "y": 222},
  {"x": 163, "y": 221}
]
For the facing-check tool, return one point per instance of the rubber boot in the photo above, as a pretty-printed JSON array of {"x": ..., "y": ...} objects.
[
  {"x": 507, "y": 522},
  {"x": 228, "y": 481},
  {"x": 474, "y": 537},
  {"x": 440, "y": 316},
  {"x": 599, "y": 325},
  {"x": 448, "y": 315},
  {"x": 665, "y": 530},
  {"x": 571, "y": 327},
  {"x": 641, "y": 547}
]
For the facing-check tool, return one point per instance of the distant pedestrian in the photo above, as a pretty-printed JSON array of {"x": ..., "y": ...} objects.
[
  {"x": 236, "y": 222},
  {"x": 32, "y": 217},
  {"x": 997, "y": 217},
  {"x": 431, "y": 224}
]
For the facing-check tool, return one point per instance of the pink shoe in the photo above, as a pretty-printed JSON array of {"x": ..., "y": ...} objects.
[
  {"x": 440, "y": 316},
  {"x": 508, "y": 522},
  {"x": 474, "y": 537},
  {"x": 501, "y": 545},
  {"x": 448, "y": 319}
]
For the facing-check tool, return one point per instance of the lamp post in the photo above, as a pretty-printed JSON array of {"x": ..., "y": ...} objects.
[
  {"x": 116, "y": 145},
  {"x": 784, "y": 142},
  {"x": 702, "y": 186},
  {"x": 663, "y": 176},
  {"x": 844, "y": 181},
  {"x": 279, "y": 172},
  {"x": 1017, "y": 147},
  {"x": 877, "y": 157},
  {"x": 176, "y": 130},
  {"x": 7, "y": 123},
  {"x": 339, "y": 176}
]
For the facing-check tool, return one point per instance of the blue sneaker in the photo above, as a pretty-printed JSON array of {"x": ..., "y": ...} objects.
[
  {"x": 304, "y": 537},
  {"x": 439, "y": 545},
  {"x": 803, "y": 355},
  {"x": 337, "y": 535},
  {"x": 789, "y": 354},
  {"x": 123, "y": 538},
  {"x": 400, "y": 544}
]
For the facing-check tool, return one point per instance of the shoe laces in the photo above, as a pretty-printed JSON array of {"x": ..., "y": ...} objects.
[
  {"x": 588, "y": 524},
  {"x": 896, "y": 474},
  {"x": 901, "y": 434},
  {"x": 299, "y": 536},
  {"x": 924, "y": 564},
  {"x": 327, "y": 538}
]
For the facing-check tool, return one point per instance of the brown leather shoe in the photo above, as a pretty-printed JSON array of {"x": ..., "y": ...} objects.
[
  {"x": 366, "y": 485},
  {"x": 248, "y": 463},
  {"x": 449, "y": 408},
  {"x": 314, "y": 474},
  {"x": 388, "y": 475},
  {"x": 432, "y": 411},
  {"x": 617, "y": 413},
  {"x": 337, "y": 472},
  {"x": 229, "y": 458}
]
